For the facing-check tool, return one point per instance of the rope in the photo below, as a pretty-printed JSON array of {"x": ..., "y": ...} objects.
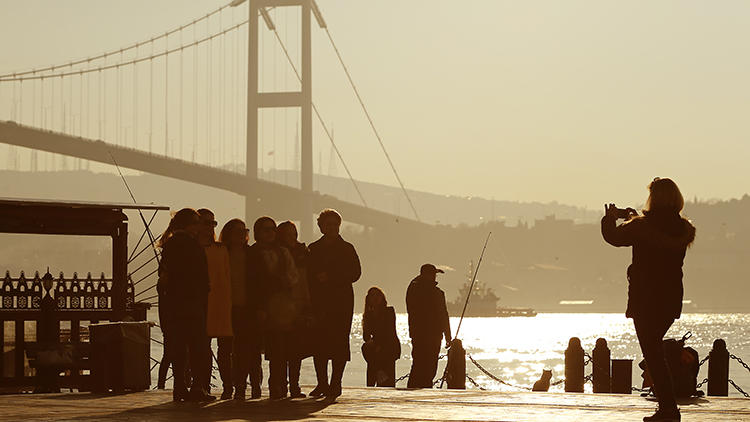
[
  {"x": 145, "y": 248},
  {"x": 144, "y": 264},
  {"x": 147, "y": 289},
  {"x": 145, "y": 277}
]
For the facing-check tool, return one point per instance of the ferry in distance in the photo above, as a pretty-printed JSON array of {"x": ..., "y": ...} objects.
[{"x": 483, "y": 301}]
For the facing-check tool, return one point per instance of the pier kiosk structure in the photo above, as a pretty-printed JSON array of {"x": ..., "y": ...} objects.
[{"x": 32, "y": 308}]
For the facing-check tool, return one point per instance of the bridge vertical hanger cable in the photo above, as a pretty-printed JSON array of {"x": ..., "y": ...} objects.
[
  {"x": 261, "y": 85},
  {"x": 222, "y": 69},
  {"x": 182, "y": 87},
  {"x": 151, "y": 101},
  {"x": 233, "y": 120},
  {"x": 88, "y": 105},
  {"x": 286, "y": 88},
  {"x": 273, "y": 114},
  {"x": 118, "y": 136},
  {"x": 52, "y": 105},
  {"x": 104, "y": 102},
  {"x": 80, "y": 105},
  {"x": 320, "y": 119},
  {"x": 135, "y": 102},
  {"x": 166, "y": 96},
  {"x": 208, "y": 94},
  {"x": 195, "y": 94}
]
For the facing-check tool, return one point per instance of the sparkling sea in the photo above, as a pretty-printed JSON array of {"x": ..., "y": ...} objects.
[{"x": 517, "y": 349}]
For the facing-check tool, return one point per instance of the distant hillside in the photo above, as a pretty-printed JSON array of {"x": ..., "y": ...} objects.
[
  {"x": 539, "y": 263},
  {"x": 433, "y": 208}
]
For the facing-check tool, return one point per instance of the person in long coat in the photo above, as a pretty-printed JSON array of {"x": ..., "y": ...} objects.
[
  {"x": 334, "y": 266},
  {"x": 659, "y": 239},
  {"x": 273, "y": 270},
  {"x": 219, "y": 312},
  {"x": 381, "y": 348},
  {"x": 183, "y": 275},
  {"x": 247, "y": 343},
  {"x": 301, "y": 335}
]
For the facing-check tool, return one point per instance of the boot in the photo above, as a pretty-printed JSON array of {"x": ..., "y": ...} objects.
[
  {"x": 296, "y": 393},
  {"x": 671, "y": 414},
  {"x": 319, "y": 390}
]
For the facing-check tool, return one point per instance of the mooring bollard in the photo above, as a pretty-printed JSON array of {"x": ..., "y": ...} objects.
[
  {"x": 600, "y": 360},
  {"x": 622, "y": 376},
  {"x": 574, "y": 366},
  {"x": 456, "y": 375},
  {"x": 718, "y": 369}
]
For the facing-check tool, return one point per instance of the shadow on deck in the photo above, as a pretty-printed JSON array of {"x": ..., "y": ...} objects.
[{"x": 363, "y": 404}]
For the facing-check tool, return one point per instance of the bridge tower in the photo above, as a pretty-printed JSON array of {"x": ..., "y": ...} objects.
[{"x": 258, "y": 100}]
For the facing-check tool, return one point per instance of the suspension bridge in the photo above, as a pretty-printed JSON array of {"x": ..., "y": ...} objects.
[{"x": 204, "y": 102}]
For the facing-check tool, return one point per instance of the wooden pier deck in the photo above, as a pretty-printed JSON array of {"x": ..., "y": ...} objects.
[{"x": 364, "y": 404}]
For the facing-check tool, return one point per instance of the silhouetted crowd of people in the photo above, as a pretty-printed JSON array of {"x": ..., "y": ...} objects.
[
  {"x": 276, "y": 298},
  {"x": 280, "y": 300}
]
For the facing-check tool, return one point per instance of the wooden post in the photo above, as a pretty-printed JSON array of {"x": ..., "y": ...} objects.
[
  {"x": 456, "y": 373},
  {"x": 574, "y": 366},
  {"x": 622, "y": 376},
  {"x": 600, "y": 360},
  {"x": 718, "y": 369}
]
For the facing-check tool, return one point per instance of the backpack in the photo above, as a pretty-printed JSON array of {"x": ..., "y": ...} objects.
[{"x": 683, "y": 365}]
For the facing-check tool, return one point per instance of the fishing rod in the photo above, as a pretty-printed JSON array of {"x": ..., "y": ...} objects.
[
  {"x": 471, "y": 286},
  {"x": 143, "y": 219},
  {"x": 468, "y": 295}
]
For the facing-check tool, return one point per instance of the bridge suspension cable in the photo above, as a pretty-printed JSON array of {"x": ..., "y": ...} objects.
[
  {"x": 317, "y": 112},
  {"x": 112, "y": 52},
  {"x": 369, "y": 117},
  {"x": 105, "y": 67}
]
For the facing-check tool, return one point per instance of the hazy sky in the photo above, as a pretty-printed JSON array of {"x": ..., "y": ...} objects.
[{"x": 580, "y": 102}]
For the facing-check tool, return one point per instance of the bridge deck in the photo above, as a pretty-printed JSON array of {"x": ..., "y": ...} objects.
[
  {"x": 363, "y": 404},
  {"x": 272, "y": 198}
]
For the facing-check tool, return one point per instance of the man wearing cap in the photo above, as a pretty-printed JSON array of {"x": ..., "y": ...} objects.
[{"x": 428, "y": 323}]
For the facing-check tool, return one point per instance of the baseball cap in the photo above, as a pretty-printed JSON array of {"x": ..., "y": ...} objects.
[{"x": 430, "y": 269}]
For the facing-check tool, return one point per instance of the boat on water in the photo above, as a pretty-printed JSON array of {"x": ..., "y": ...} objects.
[{"x": 483, "y": 301}]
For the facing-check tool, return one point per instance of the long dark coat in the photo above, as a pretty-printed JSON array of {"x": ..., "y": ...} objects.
[
  {"x": 379, "y": 328},
  {"x": 333, "y": 299},
  {"x": 184, "y": 288},
  {"x": 659, "y": 244},
  {"x": 302, "y": 335},
  {"x": 274, "y": 272}
]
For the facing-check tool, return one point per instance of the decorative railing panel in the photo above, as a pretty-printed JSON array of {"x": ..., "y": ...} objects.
[{"x": 70, "y": 294}]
